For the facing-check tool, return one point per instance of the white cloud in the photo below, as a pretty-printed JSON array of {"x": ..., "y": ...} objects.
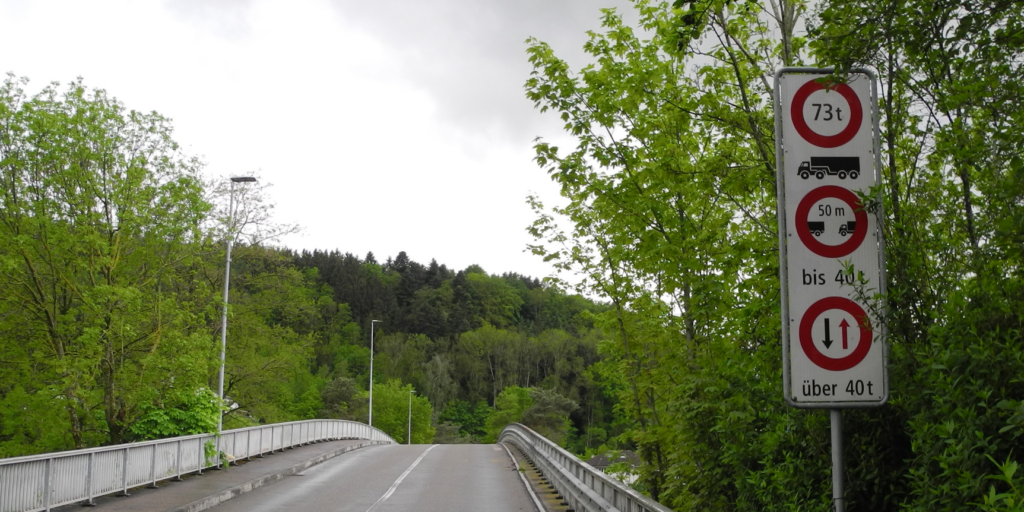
[{"x": 385, "y": 126}]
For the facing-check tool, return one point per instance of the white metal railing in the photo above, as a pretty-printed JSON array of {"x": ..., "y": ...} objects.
[
  {"x": 580, "y": 484},
  {"x": 45, "y": 481}
]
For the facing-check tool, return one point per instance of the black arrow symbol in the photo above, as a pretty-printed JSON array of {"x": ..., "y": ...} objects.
[{"x": 828, "y": 339}]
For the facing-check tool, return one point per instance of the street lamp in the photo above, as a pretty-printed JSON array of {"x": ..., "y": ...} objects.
[
  {"x": 370, "y": 421},
  {"x": 408, "y": 437},
  {"x": 224, "y": 315}
]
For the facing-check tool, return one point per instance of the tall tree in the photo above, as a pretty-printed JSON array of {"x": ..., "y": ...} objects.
[
  {"x": 100, "y": 216},
  {"x": 391, "y": 412},
  {"x": 950, "y": 115},
  {"x": 671, "y": 217},
  {"x": 271, "y": 346}
]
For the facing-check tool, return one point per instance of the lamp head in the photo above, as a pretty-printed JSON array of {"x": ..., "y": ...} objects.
[{"x": 243, "y": 179}]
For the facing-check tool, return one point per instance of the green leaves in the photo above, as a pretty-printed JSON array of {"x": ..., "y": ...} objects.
[
  {"x": 391, "y": 412},
  {"x": 671, "y": 210},
  {"x": 1013, "y": 499},
  {"x": 185, "y": 413},
  {"x": 670, "y": 217},
  {"x": 99, "y": 226}
]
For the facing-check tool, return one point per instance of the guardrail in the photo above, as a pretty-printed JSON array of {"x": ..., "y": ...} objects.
[
  {"x": 41, "y": 482},
  {"x": 582, "y": 486}
]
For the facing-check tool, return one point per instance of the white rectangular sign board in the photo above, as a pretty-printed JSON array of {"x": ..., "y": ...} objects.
[{"x": 830, "y": 245}]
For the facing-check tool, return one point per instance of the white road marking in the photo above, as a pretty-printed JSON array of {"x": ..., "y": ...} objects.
[{"x": 399, "y": 481}]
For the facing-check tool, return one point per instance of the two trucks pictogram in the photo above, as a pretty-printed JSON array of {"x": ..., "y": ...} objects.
[{"x": 817, "y": 227}]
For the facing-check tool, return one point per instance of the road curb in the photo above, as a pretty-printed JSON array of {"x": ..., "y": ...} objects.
[
  {"x": 232, "y": 492},
  {"x": 544, "y": 497}
]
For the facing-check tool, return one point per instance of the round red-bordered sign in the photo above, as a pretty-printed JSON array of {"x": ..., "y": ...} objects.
[
  {"x": 860, "y": 318},
  {"x": 826, "y": 141},
  {"x": 860, "y": 231}
]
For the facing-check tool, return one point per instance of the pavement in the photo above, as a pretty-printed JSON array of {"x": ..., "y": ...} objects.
[
  {"x": 199, "y": 492},
  {"x": 398, "y": 478}
]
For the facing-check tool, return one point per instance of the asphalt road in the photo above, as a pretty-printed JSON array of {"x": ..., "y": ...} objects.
[{"x": 392, "y": 478}]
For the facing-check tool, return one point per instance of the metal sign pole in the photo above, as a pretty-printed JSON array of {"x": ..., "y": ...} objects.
[{"x": 838, "y": 502}]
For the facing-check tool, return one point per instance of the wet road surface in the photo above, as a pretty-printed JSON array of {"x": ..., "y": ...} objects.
[{"x": 393, "y": 478}]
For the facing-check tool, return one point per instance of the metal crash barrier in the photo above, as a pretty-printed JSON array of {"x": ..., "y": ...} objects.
[
  {"x": 45, "y": 481},
  {"x": 582, "y": 486}
]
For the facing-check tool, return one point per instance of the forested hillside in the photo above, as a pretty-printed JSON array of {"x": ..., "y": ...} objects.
[
  {"x": 460, "y": 339},
  {"x": 112, "y": 251}
]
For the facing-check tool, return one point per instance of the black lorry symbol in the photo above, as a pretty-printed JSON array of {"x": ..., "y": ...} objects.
[
  {"x": 816, "y": 226},
  {"x": 848, "y": 227},
  {"x": 821, "y": 166}
]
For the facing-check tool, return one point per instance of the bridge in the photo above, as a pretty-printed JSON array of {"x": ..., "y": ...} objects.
[{"x": 314, "y": 465}]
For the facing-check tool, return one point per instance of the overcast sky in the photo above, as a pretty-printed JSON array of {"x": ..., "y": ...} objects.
[{"x": 383, "y": 125}]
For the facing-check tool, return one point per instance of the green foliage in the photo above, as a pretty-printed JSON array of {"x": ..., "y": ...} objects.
[
  {"x": 670, "y": 216},
  {"x": 449, "y": 433},
  {"x": 949, "y": 86},
  {"x": 110, "y": 267},
  {"x": 543, "y": 410},
  {"x": 353, "y": 361},
  {"x": 391, "y": 412},
  {"x": 459, "y": 337},
  {"x": 100, "y": 243},
  {"x": 112, "y": 261},
  {"x": 305, "y": 389},
  {"x": 190, "y": 413},
  {"x": 342, "y": 400},
  {"x": 548, "y": 414},
  {"x": 402, "y": 356},
  {"x": 671, "y": 219},
  {"x": 1010, "y": 501},
  {"x": 496, "y": 303},
  {"x": 270, "y": 349},
  {"x": 210, "y": 452},
  {"x": 509, "y": 407},
  {"x": 470, "y": 418},
  {"x": 969, "y": 408},
  {"x": 31, "y": 423},
  {"x": 438, "y": 385}
]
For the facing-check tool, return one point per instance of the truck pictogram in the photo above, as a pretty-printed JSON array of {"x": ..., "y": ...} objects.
[
  {"x": 817, "y": 227},
  {"x": 821, "y": 166},
  {"x": 848, "y": 227}
]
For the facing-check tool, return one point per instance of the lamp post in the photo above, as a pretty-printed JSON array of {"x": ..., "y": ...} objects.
[
  {"x": 408, "y": 437},
  {"x": 370, "y": 420},
  {"x": 224, "y": 315}
]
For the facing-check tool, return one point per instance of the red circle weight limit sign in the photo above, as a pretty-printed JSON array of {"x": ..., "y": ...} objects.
[
  {"x": 807, "y": 341},
  {"x": 803, "y": 211},
  {"x": 826, "y": 141}
]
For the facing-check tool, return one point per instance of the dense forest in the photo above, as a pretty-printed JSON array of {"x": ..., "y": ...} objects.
[{"x": 112, "y": 250}]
